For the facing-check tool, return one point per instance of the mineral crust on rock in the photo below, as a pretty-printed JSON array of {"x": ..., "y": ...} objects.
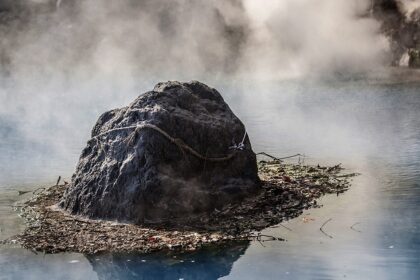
[{"x": 173, "y": 152}]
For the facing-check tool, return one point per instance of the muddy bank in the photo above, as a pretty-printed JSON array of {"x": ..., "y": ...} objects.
[{"x": 287, "y": 190}]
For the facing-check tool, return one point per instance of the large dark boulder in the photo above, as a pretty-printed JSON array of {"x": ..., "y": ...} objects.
[{"x": 168, "y": 155}]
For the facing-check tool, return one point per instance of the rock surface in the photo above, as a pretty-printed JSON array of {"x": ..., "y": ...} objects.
[
  {"x": 155, "y": 173},
  {"x": 400, "y": 22}
]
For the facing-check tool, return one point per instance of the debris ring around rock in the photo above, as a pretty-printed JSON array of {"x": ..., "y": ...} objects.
[{"x": 287, "y": 190}]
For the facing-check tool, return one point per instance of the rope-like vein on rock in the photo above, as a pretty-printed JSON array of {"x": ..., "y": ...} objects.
[{"x": 176, "y": 141}]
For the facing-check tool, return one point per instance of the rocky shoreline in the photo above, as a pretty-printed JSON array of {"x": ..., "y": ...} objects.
[{"x": 287, "y": 190}]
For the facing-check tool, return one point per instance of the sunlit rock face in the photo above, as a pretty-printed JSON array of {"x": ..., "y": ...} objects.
[{"x": 165, "y": 156}]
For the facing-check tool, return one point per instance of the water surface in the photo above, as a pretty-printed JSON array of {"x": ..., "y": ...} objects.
[{"x": 371, "y": 129}]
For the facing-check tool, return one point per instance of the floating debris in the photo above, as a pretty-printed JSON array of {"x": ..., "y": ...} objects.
[
  {"x": 287, "y": 190},
  {"x": 322, "y": 228},
  {"x": 23, "y": 192},
  {"x": 353, "y": 227}
]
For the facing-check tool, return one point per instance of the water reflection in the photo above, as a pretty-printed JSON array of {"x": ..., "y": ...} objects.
[
  {"x": 206, "y": 264},
  {"x": 17, "y": 264}
]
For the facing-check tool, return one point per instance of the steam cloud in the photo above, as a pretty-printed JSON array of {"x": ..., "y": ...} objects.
[
  {"x": 408, "y": 7},
  {"x": 65, "y": 62}
]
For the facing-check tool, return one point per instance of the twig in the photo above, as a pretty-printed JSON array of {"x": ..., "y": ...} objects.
[
  {"x": 272, "y": 238},
  {"x": 280, "y": 225},
  {"x": 352, "y": 227},
  {"x": 33, "y": 251},
  {"x": 58, "y": 181},
  {"x": 23, "y": 192},
  {"x": 267, "y": 155},
  {"x": 259, "y": 239},
  {"x": 297, "y": 155},
  {"x": 333, "y": 168},
  {"x": 14, "y": 206},
  {"x": 348, "y": 175},
  {"x": 286, "y": 227},
  {"x": 277, "y": 158},
  {"x": 269, "y": 236},
  {"x": 35, "y": 191},
  {"x": 321, "y": 228}
]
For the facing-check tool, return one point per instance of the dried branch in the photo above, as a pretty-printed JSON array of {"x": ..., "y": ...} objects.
[
  {"x": 23, "y": 192},
  {"x": 277, "y": 158},
  {"x": 280, "y": 225},
  {"x": 58, "y": 180}
]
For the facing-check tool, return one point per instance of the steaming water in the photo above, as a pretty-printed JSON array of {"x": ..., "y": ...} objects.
[{"x": 371, "y": 129}]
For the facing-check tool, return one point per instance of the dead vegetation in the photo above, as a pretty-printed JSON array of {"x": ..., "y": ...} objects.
[{"x": 287, "y": 190}]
